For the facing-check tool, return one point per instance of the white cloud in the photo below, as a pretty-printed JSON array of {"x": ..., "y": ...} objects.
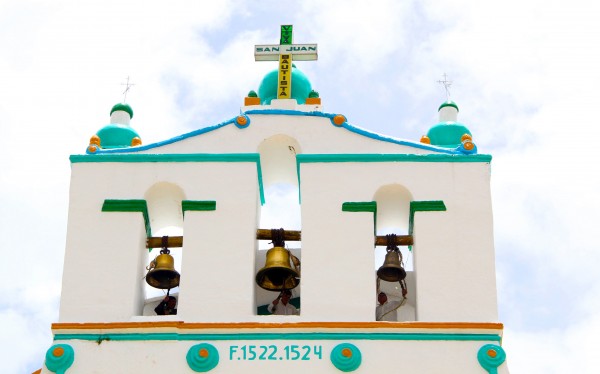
[{"x": 525, "y": 77}]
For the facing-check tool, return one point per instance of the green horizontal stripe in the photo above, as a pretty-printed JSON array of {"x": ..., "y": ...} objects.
[
  {"x": 427, "y": 206},
  {"x": 279, "y": 336},
  {"x": 423, "y": 206},
  {"x": 369, "y": 206},
  {"x": 367, "y": 157},
  {"x": 362, "y": 206},
  {"x": 197, "y": 205},
  {"x": 184, "y": 157},
  {"x": 131, "y": 205}
]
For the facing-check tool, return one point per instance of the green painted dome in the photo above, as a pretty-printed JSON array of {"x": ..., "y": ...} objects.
[
  {"x": 447, "y": 134},
  {"x": 301, "y": 86},
  {"x": 124, "y": 107},
  {"x": 448, "y": 103},
  {"x": 116, "y": 136}
]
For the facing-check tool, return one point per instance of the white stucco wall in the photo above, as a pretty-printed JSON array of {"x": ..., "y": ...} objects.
[
  {"x": 105, "y": 257},
  {"x": 106, "y": 254},
  {"x": 451, "y": 248}
]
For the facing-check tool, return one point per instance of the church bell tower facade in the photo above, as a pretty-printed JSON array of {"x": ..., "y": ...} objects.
[{"x": 164, "y": 271}]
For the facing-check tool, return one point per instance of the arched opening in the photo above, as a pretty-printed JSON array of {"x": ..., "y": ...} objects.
[
  {"x": 166, "y": 219},
  {"x": 281, "y": 208},
  {"x": 393, "y": 212}
]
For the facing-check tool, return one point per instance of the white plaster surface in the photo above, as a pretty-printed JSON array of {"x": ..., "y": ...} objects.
[
  {"x": 454, "y": 271},
  {"x": 121, "y": 117},
  {"x": 448, "y": 113}
]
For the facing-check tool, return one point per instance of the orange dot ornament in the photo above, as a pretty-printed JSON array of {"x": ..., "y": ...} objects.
[
  {"x": 339, "y": 120},
  {"x": 241, "y": 120}
]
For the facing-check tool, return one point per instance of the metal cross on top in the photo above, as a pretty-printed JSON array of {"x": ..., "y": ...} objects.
[
  {"x": 128, "y": 86},
  {"x": 284, "y": 52},
  {"x": 447, "y": 85}
]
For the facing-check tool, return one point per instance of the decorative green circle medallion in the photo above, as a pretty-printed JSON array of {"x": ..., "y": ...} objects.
[
  {"x": 490, "y": 356},
  {"x": 202, "y": 357},
  {"x": 59, "y": 358},
  {"x": 346, "y": 357}
]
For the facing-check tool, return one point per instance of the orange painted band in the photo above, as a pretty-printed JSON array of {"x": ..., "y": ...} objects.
[{"x": 286, "y": 325}]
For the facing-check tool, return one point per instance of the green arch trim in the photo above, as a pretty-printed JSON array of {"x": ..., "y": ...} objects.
[
  {"x": 423, "y": 206},
  {"x": 365, "y": 206},
  {"x": 129, "y": 206}
]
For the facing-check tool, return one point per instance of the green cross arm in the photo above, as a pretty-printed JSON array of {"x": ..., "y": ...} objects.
[{"x": 299, "y": 52}]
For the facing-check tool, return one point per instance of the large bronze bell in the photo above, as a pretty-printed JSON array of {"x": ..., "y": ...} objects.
[
  {"x": 162, "y": 273},
  {"x": 277, "y": 274},
  {"x": 391, "y": 270}
]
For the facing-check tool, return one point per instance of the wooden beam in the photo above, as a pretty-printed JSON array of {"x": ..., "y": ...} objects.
[
  {"x": 172, "y": 242},
  {"x": 265, "y": 234},
  {"x": 400, "y": 240}
]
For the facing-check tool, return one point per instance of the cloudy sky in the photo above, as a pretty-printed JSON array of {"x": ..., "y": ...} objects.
[{"x": 526, "y": 76}]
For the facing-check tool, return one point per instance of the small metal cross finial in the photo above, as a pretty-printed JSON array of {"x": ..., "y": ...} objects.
[
  {"x": 128, "y": 86},
  {"x": 447, "y": 85}
]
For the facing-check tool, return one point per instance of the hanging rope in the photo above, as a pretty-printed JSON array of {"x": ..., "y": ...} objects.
[
  {"x": 165, "y": 245},
  {"x": 391, "y": 243},
  {"x": 277, "y": 237}
]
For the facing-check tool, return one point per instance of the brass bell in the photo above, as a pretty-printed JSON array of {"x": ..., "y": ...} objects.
[
  {"x": 162, "y": 273},
  {"x": 277, "y": 274},
  {"x": 391, "y": 270}
]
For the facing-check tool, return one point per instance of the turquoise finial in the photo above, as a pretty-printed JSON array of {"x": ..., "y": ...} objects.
[
  {"x": 301, "y": 86},
  {"x": 118, "y": 134},
  {"x": 448, "y": 133}
]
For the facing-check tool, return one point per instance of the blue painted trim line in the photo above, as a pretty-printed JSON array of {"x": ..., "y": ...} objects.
[
  {"x": 357, "y": 130},
  {"x": 183, "y": 157},
  {"x": 165, "y": 142},
  {"x": 279, "y": 336},
  {"x": 345, "y": 125},
  {"x": 387, "y": 157}
]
